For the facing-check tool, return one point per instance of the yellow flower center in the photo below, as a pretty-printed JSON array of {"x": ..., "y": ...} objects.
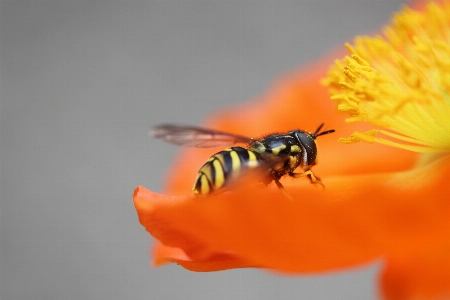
[{"x": 400, "y": 82}]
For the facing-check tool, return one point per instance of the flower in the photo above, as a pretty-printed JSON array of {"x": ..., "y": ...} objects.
[
  {"x": 387, "y": 199},
  {"x": 400, "y": 82}
]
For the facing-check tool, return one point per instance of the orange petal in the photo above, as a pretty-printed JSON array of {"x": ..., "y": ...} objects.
[
  {"x": 165, "y": 254},
  {"x": 419, "y": 275},
  {"x": 355, "y": 219}
]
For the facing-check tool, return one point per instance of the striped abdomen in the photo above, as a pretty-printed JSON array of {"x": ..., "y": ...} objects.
[{"x": 222, "y": 167}]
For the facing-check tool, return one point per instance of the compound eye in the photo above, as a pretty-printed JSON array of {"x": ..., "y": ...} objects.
[{"x": 309, "y": 148}]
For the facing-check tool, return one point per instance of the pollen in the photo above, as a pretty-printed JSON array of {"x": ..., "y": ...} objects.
[{"x": 399, "y": 82}]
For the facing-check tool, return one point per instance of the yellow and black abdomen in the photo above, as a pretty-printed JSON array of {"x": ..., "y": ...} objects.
[{"x": 223, "y": 167}]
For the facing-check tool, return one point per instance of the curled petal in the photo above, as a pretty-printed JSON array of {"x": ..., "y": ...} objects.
[
  {"x": 165, "y": 254},
  {"x": 354, "y": 220}
]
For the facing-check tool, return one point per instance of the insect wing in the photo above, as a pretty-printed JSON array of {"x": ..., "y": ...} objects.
[
  {"x": 196, "y": 136},
  {"x": 259, "y": 174}
]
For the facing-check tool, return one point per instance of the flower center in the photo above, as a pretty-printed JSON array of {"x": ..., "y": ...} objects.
[{"x": 400, "y": 82}]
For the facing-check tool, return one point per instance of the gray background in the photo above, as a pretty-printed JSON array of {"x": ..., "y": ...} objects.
[{"x": 82, "y": 81}]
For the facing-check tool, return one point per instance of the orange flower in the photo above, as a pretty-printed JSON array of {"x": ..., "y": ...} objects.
[{"x": 387, "y": 199}]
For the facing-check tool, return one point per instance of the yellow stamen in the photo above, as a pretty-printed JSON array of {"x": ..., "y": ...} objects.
[{"x": 400, "y": 82}]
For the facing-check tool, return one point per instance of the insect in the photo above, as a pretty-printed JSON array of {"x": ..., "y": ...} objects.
[{"x": 276, "y": 155}]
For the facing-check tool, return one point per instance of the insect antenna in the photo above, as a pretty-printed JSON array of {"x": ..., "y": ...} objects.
[{"x": 318, "y": 133}]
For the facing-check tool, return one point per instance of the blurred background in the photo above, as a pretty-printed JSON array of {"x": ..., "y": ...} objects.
[{"x": 81, "y": 83}]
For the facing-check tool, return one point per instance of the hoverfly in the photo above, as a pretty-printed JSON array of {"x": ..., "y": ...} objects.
[{"x": 276, "y": 155}]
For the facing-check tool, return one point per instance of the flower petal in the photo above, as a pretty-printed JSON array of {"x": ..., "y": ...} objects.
[
  {"x": 165, "y": 254},
  {"x": 419, "y": 274},
  {"x": 354, "y": 220}
]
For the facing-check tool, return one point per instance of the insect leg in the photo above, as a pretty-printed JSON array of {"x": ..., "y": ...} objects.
[
  {"x": 282, "y": 189},
  {"x": 309, "y": 173}
]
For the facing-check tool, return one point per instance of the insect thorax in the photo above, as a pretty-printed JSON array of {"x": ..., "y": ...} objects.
[{"x": 281, "y": 151}]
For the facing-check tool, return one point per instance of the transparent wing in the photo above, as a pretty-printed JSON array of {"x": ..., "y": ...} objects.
[{"x": 196, "y": 137}]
